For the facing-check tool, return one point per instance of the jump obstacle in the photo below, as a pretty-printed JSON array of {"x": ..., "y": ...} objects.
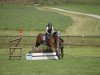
[
  {"x": 41, "y": 56},
  {"x": 16, "y": 44}
]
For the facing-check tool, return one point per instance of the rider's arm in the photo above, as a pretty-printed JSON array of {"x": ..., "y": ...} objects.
[
  {"x": 47, "y": 30},
  {"x": 52, "y": 30}
]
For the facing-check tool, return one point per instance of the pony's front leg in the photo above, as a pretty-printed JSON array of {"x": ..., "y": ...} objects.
[
  {"x": 58, "y": 54},
  {"x": 37, "y": 43}
]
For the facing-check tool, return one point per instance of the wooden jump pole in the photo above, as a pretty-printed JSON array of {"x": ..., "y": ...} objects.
[{"x": 18, "y": 45}]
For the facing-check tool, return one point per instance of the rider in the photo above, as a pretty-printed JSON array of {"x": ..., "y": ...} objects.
[{"x": 49, "y": 31}]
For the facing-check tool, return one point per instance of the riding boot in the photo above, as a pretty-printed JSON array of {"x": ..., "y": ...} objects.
[{"x": 46, "y": 39}]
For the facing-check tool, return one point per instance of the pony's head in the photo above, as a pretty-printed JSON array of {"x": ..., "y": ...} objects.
[{"x": 56, "y": 34}]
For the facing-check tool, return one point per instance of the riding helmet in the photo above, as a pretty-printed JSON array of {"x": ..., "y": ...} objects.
[{"x": 50, "y": 24}]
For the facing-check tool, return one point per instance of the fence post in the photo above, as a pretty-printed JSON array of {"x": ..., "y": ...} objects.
[
  {"x": 67, "y": 42},
  {"x": 82, "y": 39}
]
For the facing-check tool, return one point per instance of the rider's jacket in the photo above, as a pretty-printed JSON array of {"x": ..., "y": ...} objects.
[{"x": 49, "y": 30}]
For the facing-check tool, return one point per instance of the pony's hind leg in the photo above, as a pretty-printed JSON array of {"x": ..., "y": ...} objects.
[{"x": 62, "y": 52}]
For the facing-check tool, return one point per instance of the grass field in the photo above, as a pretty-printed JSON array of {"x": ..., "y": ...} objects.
[
  {"x": 15, "y": 17},
  {"x": 52, "y": 2},
  {"x": 82, "y": 25},
  {"x": 32, "y": 20},
  {"x": 77, "y": 61},
  {"x": 84, "y": 8}
]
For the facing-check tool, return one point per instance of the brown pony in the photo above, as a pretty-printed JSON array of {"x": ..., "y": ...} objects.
[{"x": 54, "y": 41}]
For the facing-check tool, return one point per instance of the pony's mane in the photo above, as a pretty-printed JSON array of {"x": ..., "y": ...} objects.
[{"x": 55, "y": 33}]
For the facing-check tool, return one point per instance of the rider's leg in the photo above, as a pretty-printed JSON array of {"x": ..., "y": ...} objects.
[{"x": 46, "y": 38}]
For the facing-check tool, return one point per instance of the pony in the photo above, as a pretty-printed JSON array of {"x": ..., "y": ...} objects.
[{"x": 54, "y": 41}]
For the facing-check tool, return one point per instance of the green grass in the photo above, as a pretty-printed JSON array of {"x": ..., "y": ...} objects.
[
  {"x": 77, "y": 61},
  {"x": 82, "y": 25},
  {"x": 84, "y": 8},
  {"x": 83, "y": 1},
  {"x": 32, "y": 20},
  {"x": 83, "y": 51},
  {"x": 82, "y": 60},
  {"x": 15, "y": 17},
  {"x": 52, "y": 2}
]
